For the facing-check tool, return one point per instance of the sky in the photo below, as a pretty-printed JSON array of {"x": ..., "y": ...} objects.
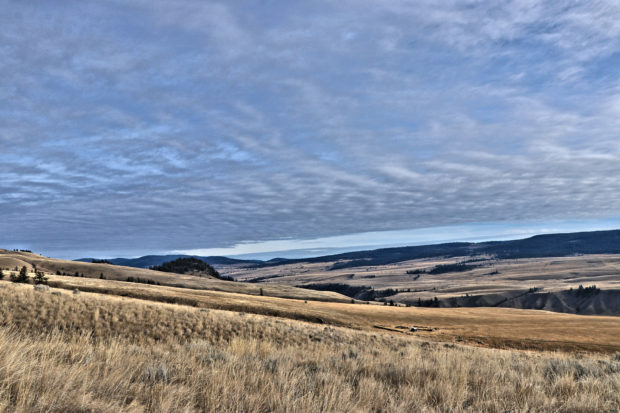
[{"x": 130, "y": 127}]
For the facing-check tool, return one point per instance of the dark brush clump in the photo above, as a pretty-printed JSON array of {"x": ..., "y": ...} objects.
[
  {"x": 190, "y": 265},
  {"x": 359, "y": 292},
  {"x": 458, "y": 267}
]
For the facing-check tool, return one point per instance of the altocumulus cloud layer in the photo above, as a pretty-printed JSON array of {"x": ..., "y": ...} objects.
[{"x": 150, "y": 125}]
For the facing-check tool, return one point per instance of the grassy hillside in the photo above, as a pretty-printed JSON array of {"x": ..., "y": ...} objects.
[
  {"x": 9, "y": 260},
  {"x": 489, "y": 327},
  {"x": 95, "y": 353}
]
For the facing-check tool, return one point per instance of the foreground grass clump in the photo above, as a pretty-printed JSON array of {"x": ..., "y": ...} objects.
[{"x": 63, "y": 354}]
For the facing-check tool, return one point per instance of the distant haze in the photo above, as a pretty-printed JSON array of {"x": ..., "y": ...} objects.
[{"x": 282, "y": 128}]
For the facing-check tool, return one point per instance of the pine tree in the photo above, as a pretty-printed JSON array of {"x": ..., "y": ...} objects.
[
  {"x": 22, "y": 277},
  {"x": 40, "y": 278}
]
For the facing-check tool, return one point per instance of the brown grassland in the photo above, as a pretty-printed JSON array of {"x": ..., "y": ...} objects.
[
  {"x": 488, "y": 276},
  {"x": 231, "y": 346},
  {"x": 490, "y": 327},
  {"x": 102, "y": 353}
]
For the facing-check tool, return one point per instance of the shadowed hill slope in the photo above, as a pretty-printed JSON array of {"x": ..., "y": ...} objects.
[{"x": 605, "y": 302}]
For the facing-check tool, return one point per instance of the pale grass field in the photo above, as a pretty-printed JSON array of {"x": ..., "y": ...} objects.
[
  {"x": 96, "y": 353},
  {"x": 490, "y": 327}
]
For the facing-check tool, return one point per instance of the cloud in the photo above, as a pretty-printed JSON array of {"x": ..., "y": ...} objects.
[{"x": 147, "y": 126}]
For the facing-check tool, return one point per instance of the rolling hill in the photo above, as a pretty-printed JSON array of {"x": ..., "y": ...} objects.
[
  {"x": 76, "y": 270},
  {"x": 92, "y": 352}
]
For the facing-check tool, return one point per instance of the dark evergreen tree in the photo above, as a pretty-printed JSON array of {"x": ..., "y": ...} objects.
[
  {"x": 40, "y": 278},
  {"x": 22, "y": 277},
  {"x": 189, "y": 265}
]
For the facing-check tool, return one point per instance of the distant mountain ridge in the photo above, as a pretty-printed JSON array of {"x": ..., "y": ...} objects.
[{"x": 538, "y": 246}]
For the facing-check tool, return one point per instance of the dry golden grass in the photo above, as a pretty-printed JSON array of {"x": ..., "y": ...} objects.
[
  {"x": 95, "y": 353},
  {"x": 11, "y": 259},
  {"x": 490, "y": 327}
]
